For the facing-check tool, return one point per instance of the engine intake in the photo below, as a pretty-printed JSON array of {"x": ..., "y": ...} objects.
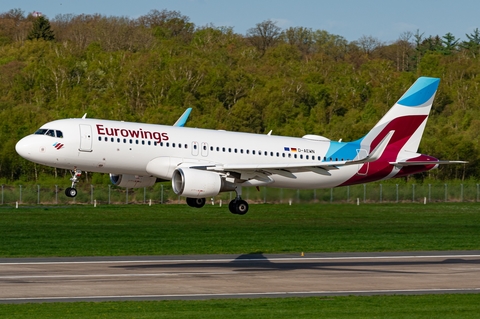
[
  {"x": 132, "y": 181},
  {"x": 196, "y": 183}
]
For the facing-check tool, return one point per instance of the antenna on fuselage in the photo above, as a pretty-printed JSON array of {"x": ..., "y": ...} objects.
[{"x": 84, "y": 116}]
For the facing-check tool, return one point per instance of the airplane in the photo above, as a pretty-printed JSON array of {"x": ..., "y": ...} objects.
[{"x": 202, "y": 163}]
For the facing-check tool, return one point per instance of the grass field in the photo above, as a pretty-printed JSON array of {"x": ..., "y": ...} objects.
[
  {"x": 178, "y": 229},
  {"x": 426, "y": 306}
]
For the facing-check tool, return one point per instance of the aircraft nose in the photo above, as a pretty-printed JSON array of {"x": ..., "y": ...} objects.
[{"x": 24, "y": 148}]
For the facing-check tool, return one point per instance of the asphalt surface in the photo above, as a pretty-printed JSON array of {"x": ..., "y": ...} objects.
[{"x": 237, "y": 276}]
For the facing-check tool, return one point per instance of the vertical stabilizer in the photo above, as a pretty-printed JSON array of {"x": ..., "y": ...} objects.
[{"x": 407, "y": 118}]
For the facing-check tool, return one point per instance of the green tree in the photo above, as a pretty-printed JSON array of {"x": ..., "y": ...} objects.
[
  {"x": 41, "y": 29},
  {"x": 449, "y": 43},
  {"x": 473, "y": 43},
  {"x": 264, "y": 35}
]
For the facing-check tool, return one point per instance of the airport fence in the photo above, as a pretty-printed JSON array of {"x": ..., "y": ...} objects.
[{"x": 163, "y": 194}]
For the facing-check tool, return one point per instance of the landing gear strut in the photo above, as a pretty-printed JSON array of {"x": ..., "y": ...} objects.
[
  {"x": 238, "y": 206},
  {"x": 72, "y": 191}
]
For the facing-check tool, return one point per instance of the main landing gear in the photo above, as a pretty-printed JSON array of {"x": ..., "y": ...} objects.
[
  {"x": 236, "y": 206},
  {"x": 72, "y": 191}
]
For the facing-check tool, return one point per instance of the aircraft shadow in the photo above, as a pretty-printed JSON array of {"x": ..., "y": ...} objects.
[{"x": 258, "y": 262}]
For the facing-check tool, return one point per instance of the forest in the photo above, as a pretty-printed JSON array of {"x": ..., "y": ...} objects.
[{"x": 293, "y": 81}]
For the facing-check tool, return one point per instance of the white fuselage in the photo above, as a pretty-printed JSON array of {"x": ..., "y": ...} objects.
[{"x": 127, "y": 148}]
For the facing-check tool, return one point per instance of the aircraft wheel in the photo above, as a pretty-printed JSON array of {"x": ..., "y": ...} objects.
[
  {"x": 196, "y": 202},
  {"x": 71, "y": 192},
  {"x": 241, "y": 207},
  {"x": 231, "y": 206},
  {"x": 238, "y": 207}
]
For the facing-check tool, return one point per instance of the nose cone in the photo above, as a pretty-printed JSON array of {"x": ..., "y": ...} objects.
[{"x": 25, "y": 147}]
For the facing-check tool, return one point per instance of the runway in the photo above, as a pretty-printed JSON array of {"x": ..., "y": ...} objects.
[{"x": 236, "y": 276}]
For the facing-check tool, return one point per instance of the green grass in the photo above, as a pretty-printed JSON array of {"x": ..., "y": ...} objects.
[
  {"x": 426, "y": 306},
  {"x": 178, "y": 229}
]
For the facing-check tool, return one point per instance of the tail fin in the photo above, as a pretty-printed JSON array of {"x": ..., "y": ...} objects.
[{"x": 407, "y": 118}]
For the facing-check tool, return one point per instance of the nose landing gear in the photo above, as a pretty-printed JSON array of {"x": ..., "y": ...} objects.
[{"x": 72, "y": 191}]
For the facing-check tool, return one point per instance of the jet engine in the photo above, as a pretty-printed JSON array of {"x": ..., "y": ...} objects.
[
  {"x": 132, "y": 181},
  {"x": 196, "y": 183}
]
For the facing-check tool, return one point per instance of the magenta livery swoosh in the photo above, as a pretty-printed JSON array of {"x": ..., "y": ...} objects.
[{"x": 404, "y": 128}]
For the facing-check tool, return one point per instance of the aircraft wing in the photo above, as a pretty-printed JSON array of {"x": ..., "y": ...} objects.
[{"x": 286, "y": 169}]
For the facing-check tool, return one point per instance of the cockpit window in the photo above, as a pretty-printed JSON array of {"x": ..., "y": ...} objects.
[
  {"x": 41, "y": 131},
  {"x": 48, "y": 132}
]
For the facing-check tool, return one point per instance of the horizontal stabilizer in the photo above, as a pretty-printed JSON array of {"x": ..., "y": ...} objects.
[{"x": 415, "y": 163}]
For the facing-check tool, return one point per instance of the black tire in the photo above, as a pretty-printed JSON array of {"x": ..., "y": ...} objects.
[
  {"x": 241, "y": 207},
  {"x": 71, "y": 192},
  {"x": 196, "y": 202},
  {"x": 238, "y": 207},
  {"x": 231, "y": 206}
]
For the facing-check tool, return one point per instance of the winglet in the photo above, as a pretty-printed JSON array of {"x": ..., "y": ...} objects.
[
  {"x": 377, "y": 152},
  {"x": 183, "y": 119}
]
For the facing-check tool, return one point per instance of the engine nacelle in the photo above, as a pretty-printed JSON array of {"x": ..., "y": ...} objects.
[
  {"x": 132, "y": 181},
  {"x": 196, "y": 183}
]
